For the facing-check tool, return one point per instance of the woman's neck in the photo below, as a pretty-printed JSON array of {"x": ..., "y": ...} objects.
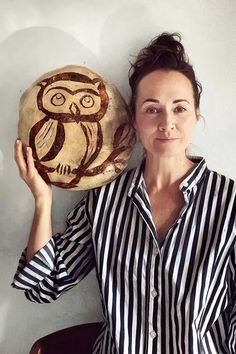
[{"x": 166, "y": 172}]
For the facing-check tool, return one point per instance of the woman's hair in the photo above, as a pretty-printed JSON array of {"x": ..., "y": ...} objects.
[{"x": 164, "y": 52}]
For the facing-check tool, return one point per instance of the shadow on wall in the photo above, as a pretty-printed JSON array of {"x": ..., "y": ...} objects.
[
  {"x": 41, "y": 49},
  {"x": 129, "y": 34}
]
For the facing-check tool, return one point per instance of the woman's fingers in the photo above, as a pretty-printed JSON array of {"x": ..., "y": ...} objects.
[
  {"x": 28, "y": 172},
  {"x": 19, "y": 158},
  {"x": 24, "y": 160},
  {"x": 30, "y": 161}
]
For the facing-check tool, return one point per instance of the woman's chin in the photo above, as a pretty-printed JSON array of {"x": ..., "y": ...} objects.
[{"x": 167, "y": 152}]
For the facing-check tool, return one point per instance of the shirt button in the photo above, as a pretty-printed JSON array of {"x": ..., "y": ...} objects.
[
  {"x": 153, "y": 334},
  {"x": 154, "y": 293}
]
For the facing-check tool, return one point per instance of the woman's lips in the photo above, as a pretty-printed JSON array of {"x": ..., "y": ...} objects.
[{"x": 166, "y": 140}]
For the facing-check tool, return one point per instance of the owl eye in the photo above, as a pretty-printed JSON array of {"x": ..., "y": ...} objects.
[
  {"x": 58, "y": 99},
  {"x": 87, "y": 101}
]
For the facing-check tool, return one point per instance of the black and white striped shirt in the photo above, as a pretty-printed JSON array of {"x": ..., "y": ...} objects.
[{"x": 180, "y": 298}]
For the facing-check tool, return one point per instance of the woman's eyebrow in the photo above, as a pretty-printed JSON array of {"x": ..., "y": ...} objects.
[
  {"x": 157, "y": 101},
  {"x": 180, "y": 100},
  {"x": 151, "y": 100}
]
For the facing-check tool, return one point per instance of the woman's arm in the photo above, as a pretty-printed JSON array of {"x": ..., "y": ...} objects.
[
  {"x": 63, "y": 262},
  {"x": 41, "y": 229},
  {"x": 51, "y": 265}
]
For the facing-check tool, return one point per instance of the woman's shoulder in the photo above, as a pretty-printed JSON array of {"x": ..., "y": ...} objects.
[
  {"x": 102, "y": 197},
  {"x": 222, "y": 177},
  {"x": 125, "y": 178},
  {"x": 222, "y": 183}
]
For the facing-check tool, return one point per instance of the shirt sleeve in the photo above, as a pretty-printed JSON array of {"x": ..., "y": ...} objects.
[
  {"x": 64, "y": 261},
  {"x": 232, "y": 319}
]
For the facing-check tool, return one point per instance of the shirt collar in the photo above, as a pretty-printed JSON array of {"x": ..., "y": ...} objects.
[
  {"x": 185, "y": 186},
  {"x": 196, "y": 175},
  {"x": 137, "y": 179}
]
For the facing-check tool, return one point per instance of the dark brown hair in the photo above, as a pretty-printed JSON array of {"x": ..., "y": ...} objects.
[{"x": 164, "y": 52}]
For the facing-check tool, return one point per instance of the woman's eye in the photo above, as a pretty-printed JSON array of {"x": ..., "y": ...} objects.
[
  {"x": 179, "y": 109},
  {"x": 152, "y": 110}
]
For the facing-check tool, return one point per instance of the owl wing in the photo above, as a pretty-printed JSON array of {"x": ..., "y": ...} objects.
[
  {"x": 94, "y": 139},
  {"x": 46, "y": 139}
]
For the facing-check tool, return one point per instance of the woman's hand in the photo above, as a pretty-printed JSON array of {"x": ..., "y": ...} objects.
[{"x": 39, "y": 188}]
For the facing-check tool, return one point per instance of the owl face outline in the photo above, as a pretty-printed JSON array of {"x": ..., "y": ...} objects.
[
  {"x": 73, "y": 97},
  {"x": 84, "y": 99}
]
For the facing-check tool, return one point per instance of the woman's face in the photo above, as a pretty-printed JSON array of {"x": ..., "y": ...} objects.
[{"x": 165, "y": 113}]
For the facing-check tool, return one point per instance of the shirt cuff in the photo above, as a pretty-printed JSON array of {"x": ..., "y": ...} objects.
[{"x": 41, "y": 265}]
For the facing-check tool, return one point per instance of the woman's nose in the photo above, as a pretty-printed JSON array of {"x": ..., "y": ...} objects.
[{"x": 167, "y": 122}]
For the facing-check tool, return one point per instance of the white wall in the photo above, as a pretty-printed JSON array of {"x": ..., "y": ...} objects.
[{"x": 37, "y": 36}]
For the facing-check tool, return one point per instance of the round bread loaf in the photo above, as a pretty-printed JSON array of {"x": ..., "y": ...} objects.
[{"x": 78, "y": 127}]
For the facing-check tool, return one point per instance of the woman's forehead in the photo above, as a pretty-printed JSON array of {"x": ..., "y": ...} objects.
[{"x": 165, "y": 83}]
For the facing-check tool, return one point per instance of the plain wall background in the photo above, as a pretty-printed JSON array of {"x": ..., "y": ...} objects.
[{"x": 38, "y": 36}]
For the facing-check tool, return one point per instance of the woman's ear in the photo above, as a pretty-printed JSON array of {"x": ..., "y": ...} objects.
[{"x": 198, "y": 113}]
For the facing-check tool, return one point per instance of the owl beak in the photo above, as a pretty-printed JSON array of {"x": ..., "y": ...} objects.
[{"x": 74, "y": 109}]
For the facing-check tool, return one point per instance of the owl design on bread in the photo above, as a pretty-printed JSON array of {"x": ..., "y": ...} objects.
[{"x": 69, "y": 136}]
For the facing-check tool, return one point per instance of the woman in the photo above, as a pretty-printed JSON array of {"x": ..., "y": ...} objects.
[{"x": 161, "y": 237}]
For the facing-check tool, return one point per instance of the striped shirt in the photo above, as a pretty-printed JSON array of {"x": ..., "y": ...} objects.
[{"x": 178, "y": 298}]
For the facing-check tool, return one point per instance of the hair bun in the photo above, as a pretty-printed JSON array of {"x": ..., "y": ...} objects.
[{"x": 166, "y": 49}]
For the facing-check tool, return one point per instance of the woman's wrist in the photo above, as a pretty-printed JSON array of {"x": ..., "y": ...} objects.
[{"x": 42, "y": 202}]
